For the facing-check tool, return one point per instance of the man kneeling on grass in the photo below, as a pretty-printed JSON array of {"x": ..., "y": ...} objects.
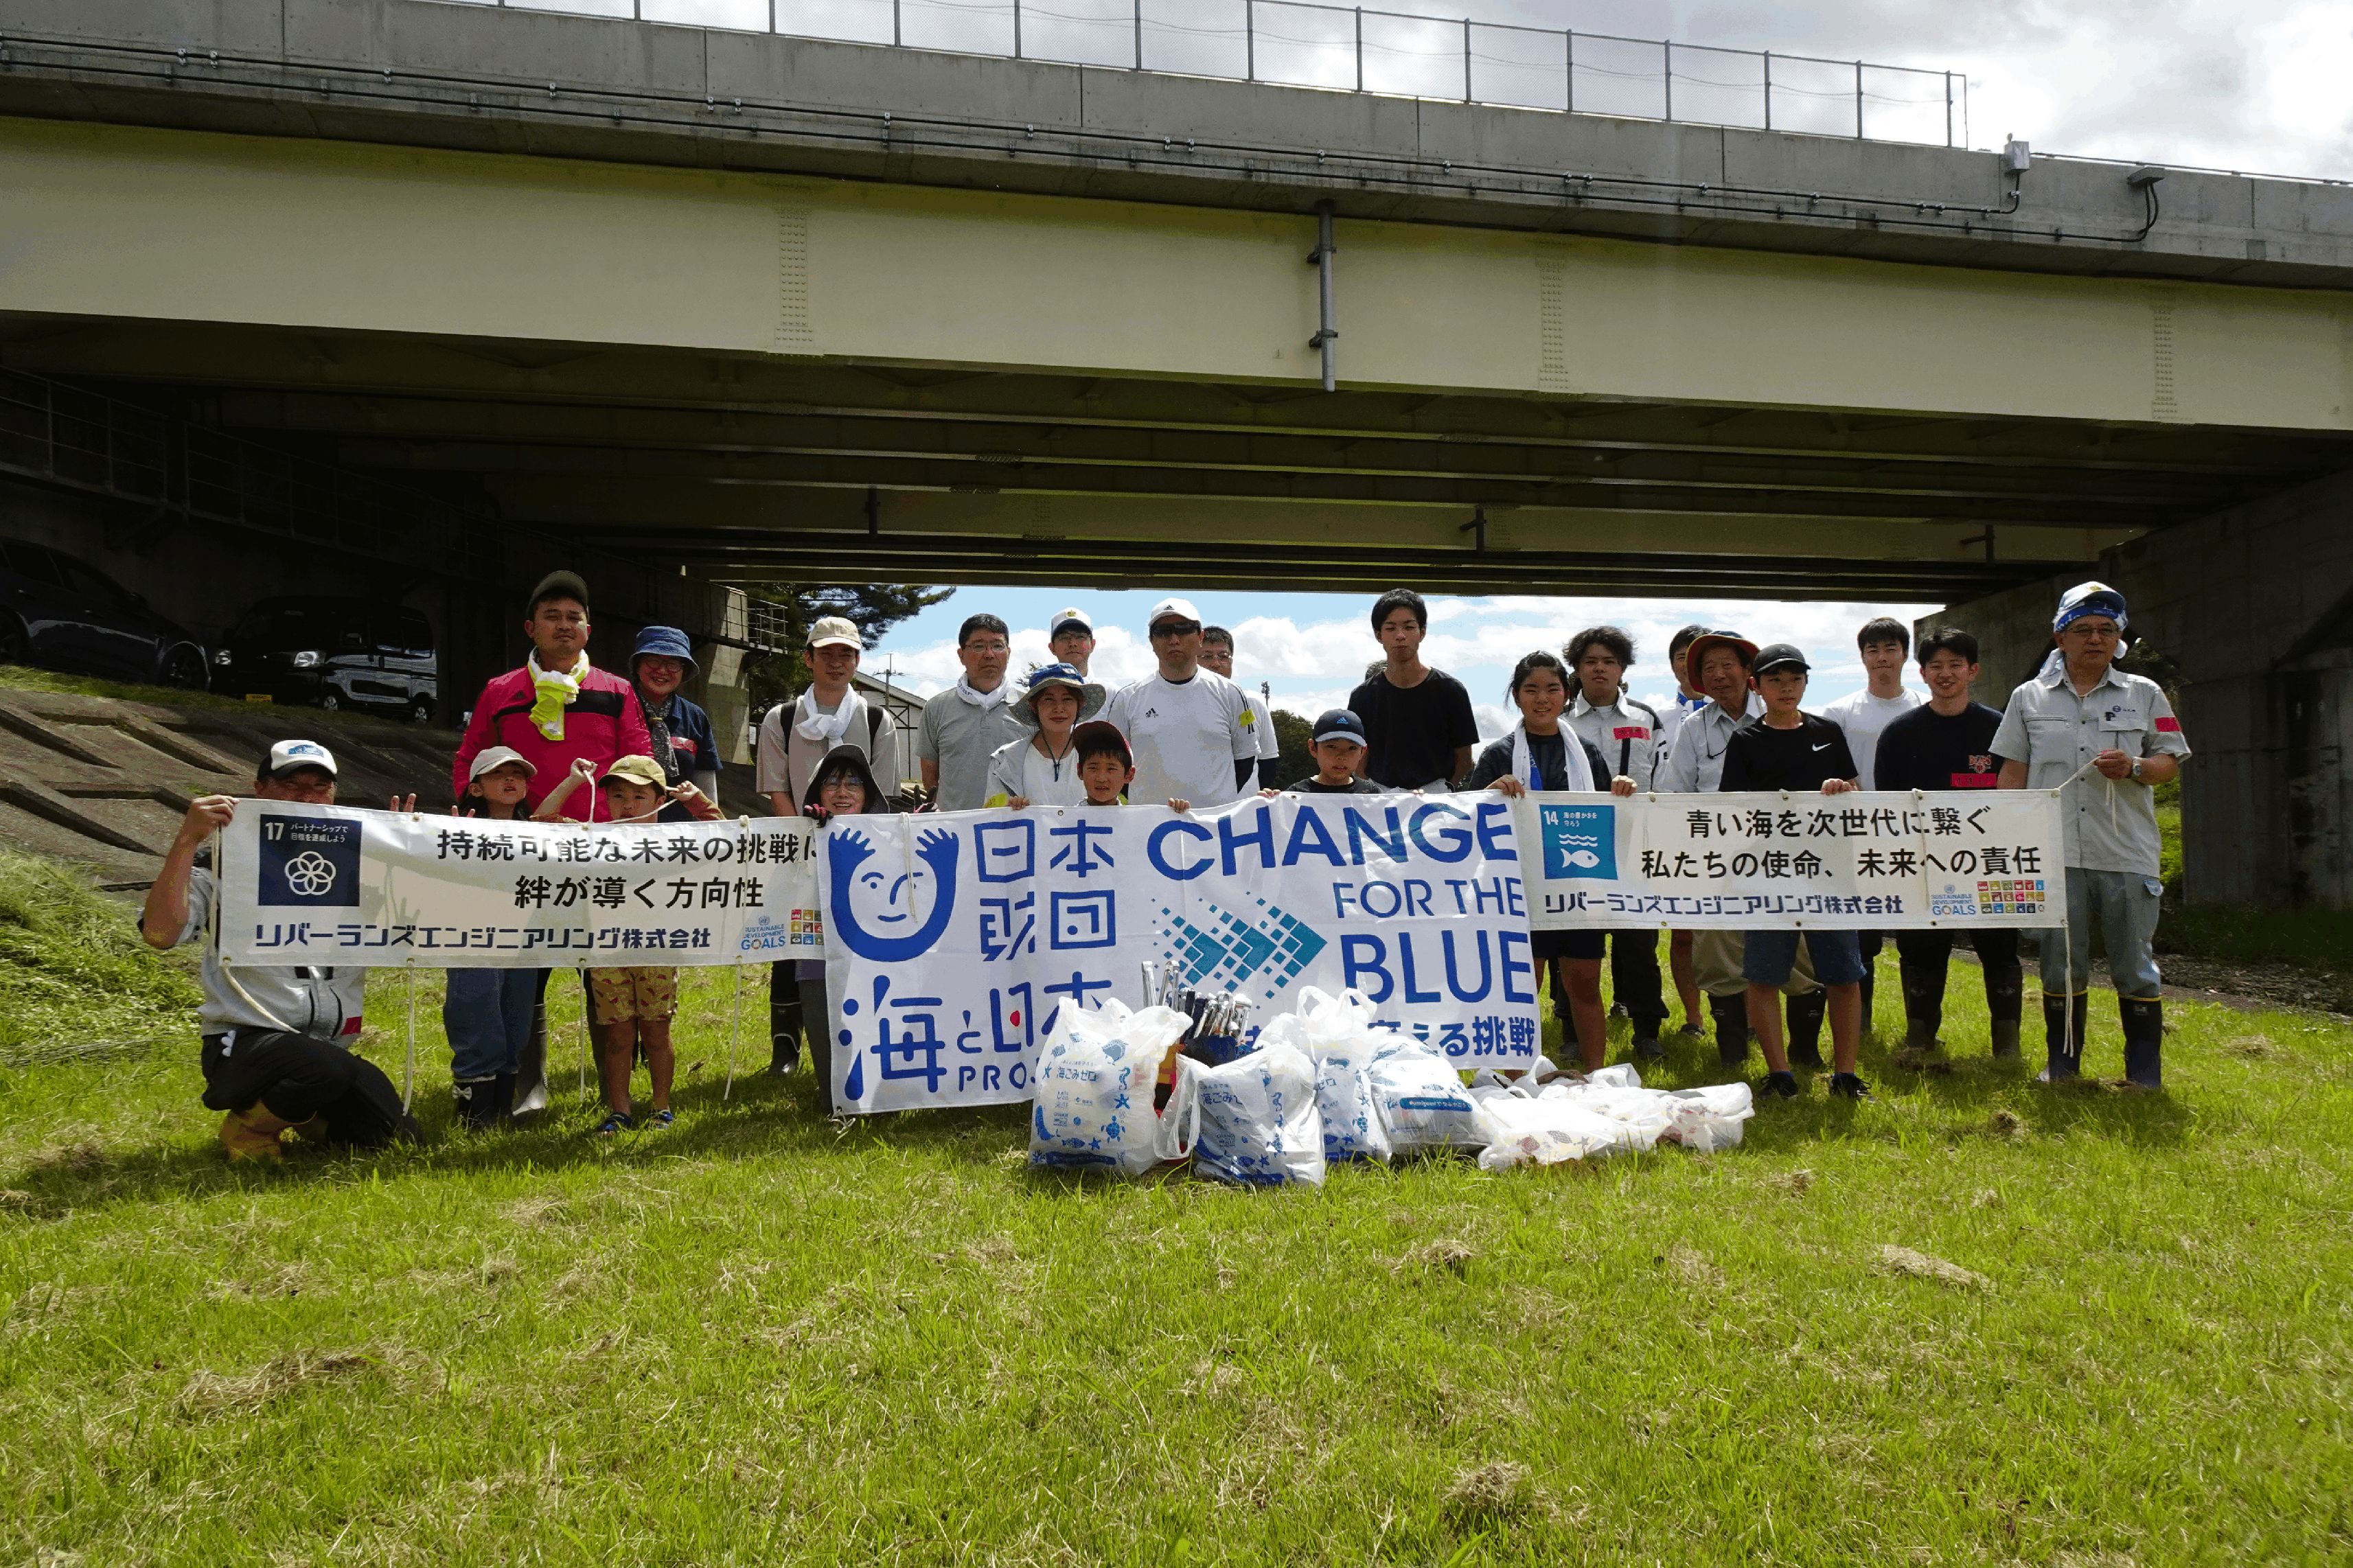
[
  {"x": 278, "y": 1042},
  {"x": 1785, "y": 749}
]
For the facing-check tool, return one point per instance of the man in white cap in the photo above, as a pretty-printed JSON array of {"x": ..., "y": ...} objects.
[
  {"x": 1194, "y": 735},
  {"x": 1070, "y": 637},
  {"x": 2109, "y": 738},
  {"x": 794, "y": 738},
  {"x": 277, "y": 1054}
]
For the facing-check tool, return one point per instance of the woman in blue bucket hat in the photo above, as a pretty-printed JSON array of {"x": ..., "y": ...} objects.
[{"x": 660, "y": 664}]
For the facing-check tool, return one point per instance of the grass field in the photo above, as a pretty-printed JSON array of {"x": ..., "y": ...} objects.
[{"x": 757, "y": 1337}]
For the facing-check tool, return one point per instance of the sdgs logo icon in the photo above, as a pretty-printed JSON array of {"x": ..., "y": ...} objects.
[
  {"x": 1580, "y": 841},
  {"x": 312, "y": 864}
]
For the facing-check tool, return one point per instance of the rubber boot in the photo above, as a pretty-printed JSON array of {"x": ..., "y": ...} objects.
[
  {"x": 2005, "y": 1039},
  {"x": 2063, "y": 1028},
  {"x": 254, "y": 1135},
  {"x": 1731, "y": 1015},
  {"x": 1924, "y": 1001},
  {"x": 531, "y": 1070},
  {"x": 502, "y": 1096},
  {"x": 475, "y": 1099},
  {"x": 2005, "y": 1001},
  {"x": 311, "y": 1132},
  {"x": 783, "y": 1024},
  {"x": 1804, "y": 1014},
  {"x": 2144, "y": 1024},
  {"x": 1870, "y": 979}
]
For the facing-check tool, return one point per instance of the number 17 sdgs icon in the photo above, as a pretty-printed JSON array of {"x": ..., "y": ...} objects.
[
  {"x": 309, "y": 863},
  {"x": 1580, "y": 841}
]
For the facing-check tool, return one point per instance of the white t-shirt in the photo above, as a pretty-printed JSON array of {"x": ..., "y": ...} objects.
[
  {"x": 1186, "y": 738},
  {"x": 1863, "y": 716},
  {"x": 1021, "y": 769},
  {"x": 1269, "y": 748}
]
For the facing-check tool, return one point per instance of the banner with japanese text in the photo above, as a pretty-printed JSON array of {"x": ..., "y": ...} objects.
[
  {"x": 1885, "y": 861},
  {"x": 954, "y": 937},
  {"x": 330, "y": 886}
]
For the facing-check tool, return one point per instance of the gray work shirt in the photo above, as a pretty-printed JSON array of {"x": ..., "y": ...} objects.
[
  {"x": 2111, "y": 824},
  {"x": 1626, "y": 734},
  {"x": 961, "y": 736},
  {"x": 1694, "y": 762}
]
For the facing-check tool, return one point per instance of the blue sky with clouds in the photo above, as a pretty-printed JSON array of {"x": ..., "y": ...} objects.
[{"x": 1312, "y": 648}]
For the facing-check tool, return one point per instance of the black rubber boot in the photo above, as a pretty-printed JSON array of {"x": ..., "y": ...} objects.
[
  {"x": 2063, "y": 1028},
  {"x": 477, "y": 1102},
  {"x": 503, "y": 1096},
  {"x": 1731, "y": 1015},
  {"x": 1870, "y": 979},
  {"x": 2144, "y": 1023},
  {"x": 531, "y": 1070},
  {"x": 2006, "y": 1002},
  {"x": 1804, "y": 1014},
  {"x": 1923, "y": 1000},
  {"x": 784, "y": 1022}
]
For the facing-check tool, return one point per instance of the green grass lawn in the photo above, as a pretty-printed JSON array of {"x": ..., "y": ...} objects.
[{"x": 760, "y": 1339}]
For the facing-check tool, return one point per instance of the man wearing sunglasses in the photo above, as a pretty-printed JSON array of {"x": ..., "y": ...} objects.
[
  {"x": 2105, "y": 740},
  {"x": 1194, "y": 734}
]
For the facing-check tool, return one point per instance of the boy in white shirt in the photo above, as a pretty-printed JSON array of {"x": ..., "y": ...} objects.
[{"x": 1886, "y": 644}]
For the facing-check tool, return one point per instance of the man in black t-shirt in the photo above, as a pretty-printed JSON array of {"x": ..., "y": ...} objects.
[
  {"x": 1949, "y": 745},
  {"x": 1785, "y": 749},
  {"x": 1418, "y": 727}
]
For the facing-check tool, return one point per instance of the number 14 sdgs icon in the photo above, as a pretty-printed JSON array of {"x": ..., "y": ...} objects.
[{"x": 1580, "y": 841}]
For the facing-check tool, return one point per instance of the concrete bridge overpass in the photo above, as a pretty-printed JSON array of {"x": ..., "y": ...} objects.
[{"x": 766, "y": 308}]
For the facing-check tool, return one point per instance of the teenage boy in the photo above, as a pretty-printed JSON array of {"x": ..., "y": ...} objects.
[
  {"x": 277, "y": 1054},
  {"x": 1948, "y": 744},
  {"x": 2081, "y": 716},
  {"x": 558, "y": 708},
  {"x": 1218, "y": 654},
  {"x": 1718, "y": 663},
  {"x": 1689, "y": 700},
  {"x": 1863, "y": 716},
  {"x": 794, "y": 738},
  {"x": 1626, "y": 734},
  {"x": 1193, "y": 733},
  {"x": 962, "y": 728},
  {"x": 1338, "y": 744},
  {"x": 1418, "y": 727},
  {"x": 1785, "y": 749},
  {"x": 1106, "y": 765},
  {"x": 1071, "y": 637}
]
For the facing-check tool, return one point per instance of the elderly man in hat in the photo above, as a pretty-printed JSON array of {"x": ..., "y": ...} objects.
[
  {"x": 2104, "y": 739},
  {"x": 277, "y": 1054}
]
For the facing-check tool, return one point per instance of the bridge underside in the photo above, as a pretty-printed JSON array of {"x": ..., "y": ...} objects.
[{"x": 751, "y": 468}]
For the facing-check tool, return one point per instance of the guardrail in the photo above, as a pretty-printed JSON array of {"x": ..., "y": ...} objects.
[{"x": 1297, "y": 43}]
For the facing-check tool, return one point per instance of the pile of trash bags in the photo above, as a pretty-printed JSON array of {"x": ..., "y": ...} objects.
[{"x": 1326, "y": 1082}]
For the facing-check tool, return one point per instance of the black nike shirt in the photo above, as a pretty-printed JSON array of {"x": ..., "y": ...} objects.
[{"x": 1758, "y": 756}]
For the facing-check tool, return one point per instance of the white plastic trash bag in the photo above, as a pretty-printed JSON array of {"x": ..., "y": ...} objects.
[
  {"x": 1534, "y": 1128},
  {"x": 1096, "y": 1070},
  {"x": 1252, "y": 1121},
  {"x": 1709, "y": 1119},
  {"x": 1338, "y": 1033},
  {"x": 1421, "y": 1099}
]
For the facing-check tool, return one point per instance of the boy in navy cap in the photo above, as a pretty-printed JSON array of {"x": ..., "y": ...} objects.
[{"x": 1338, "y": 744}]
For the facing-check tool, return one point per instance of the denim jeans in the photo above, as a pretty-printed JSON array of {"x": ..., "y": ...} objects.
[
  {"x": 2121, "y": 907},
  {"x": 487, "y": 1015}
]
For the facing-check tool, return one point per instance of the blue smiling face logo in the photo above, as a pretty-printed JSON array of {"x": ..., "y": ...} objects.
[
  {"x": 1580, "y": 841},
  {"x": 879, "y": 914}
]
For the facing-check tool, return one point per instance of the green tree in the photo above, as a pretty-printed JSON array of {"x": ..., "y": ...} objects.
[
  {"x": 783, "y": 614},
  {"x": 1292, "y": 734}
]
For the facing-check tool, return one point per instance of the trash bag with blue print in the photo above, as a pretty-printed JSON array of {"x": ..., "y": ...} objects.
[
  {"x": 1252, "y": 1121},
  {"x": 1097, "y": 1066},
  {"x": 1338, "y": 1033}
]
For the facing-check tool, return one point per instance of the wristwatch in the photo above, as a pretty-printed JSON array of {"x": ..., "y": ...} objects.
[{"x": 2135, "y": 771}]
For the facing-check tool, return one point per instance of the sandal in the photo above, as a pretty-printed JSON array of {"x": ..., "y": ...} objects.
[
  {"x": 663, "y": 1117},
  {"x": 619, "y": 1122}
]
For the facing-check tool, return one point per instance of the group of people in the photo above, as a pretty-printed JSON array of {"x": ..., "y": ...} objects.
[{"x": 561, "y": 738}]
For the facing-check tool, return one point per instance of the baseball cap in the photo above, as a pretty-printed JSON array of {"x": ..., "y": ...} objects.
[
  {"x": 1700, "y": 645},
  {"x": 490, "y": 757},
  {"x": 1172, "y": 610},
  {"x": 289, "y": 756},
  {"x": 833, "y": 631},
  {"x": 637, "y": 770},
  {"x": 560, "y": 586},
  {"x": 1065, "y": 619},
  {"x": 1780, "y": 655},
  {"x": 2089, "y": 599},
  {"x": 1104, "y": 736},
  {"x": 1338, "y": 724}
]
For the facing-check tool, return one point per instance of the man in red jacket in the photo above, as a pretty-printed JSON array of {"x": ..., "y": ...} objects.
[{"x": 558, "y": 706}]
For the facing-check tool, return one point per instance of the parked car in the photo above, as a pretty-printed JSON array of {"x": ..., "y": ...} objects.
[
  {"x": 64, "y": 613},
  {"x": 332, "y": 653}
]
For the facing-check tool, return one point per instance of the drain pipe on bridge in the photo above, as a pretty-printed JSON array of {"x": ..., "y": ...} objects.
[{"x": 1327, "y": 333}]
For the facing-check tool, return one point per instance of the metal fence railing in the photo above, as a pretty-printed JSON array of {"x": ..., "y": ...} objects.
[{"x": 1298, "y": 43}]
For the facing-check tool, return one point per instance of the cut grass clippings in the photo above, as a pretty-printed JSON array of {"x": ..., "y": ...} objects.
[{"x": 1970, "y": 1320}]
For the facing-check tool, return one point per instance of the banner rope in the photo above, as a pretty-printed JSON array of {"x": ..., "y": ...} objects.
[
  {"x": 409, "y": 1063},
  {"x": 588, "y": 1036}
]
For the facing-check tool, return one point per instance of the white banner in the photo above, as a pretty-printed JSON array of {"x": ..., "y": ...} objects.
[
  {"x": 325, "y": 885},
  {"x": 955, "y": 937},
  {"x": 1881, "y": 861}
]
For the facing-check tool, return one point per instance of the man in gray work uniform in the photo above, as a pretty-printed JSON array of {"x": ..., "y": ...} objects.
[{"x": 2081, "y": 716}]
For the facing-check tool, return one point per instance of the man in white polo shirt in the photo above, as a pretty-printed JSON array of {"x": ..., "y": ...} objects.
[{"x": 1194, "y": 734}]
